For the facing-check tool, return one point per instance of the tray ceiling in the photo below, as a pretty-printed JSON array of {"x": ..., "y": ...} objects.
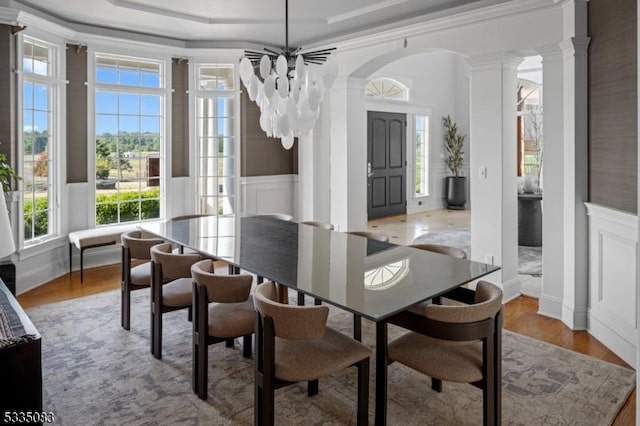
[{"x": 259, "y": 21}]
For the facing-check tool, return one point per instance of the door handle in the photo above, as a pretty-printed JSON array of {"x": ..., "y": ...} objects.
[{"x": 369, "y": 172}]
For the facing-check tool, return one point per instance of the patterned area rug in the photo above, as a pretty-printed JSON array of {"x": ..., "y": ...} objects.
[
  {"x": 529, "y": 258},
  {"x": 97, "y": 373}
]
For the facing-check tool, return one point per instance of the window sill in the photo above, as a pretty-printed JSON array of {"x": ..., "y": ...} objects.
[{"x": 36, "y": 249}]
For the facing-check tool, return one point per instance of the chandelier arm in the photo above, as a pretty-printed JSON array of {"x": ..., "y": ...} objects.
[{"x": 328, "y": 50}]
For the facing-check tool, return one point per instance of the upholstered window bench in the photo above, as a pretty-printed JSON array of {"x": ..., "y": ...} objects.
[{"x": 93, "y": 238}]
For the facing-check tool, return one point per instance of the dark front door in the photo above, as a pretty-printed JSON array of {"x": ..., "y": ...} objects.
[{"x": 386, "y": 164}]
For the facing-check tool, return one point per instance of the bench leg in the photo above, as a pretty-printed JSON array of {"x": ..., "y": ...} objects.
[
  {"x": 70, "y": 258},
  {"x": 81, "y": 264}
]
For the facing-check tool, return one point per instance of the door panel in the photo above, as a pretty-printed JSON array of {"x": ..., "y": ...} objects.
[
  {"x": 396, "y": 143},
  {"x": 379, "y": 192},
  {"x": 396, "y": 190},
  {"x": 386, "y": 138},
  {"x": 378, "y": 144}
]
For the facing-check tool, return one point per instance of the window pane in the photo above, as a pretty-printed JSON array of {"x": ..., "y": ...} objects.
[
  {"x": 129, "y": 72},
  {"x": 128, "y": 104},
  {"x": 37, "y": 136},
  {"x": 107, "y": 74},
  {"x": 128, "y": 124},
  {"x": 106, "y": 102},
  {"x": 150, "y": 79},
  {"x": 128, "y": 144},
  {"x": 129, "y": 77},
  {"x": 27, "y": 95},
  {"x": 106, "y": 124},
  {"x": 41, "y": 121},
  {"x": 215, "y": 77},
  {"x": 386, "y": 88},
  {"x": 421, "y": 139},
  {"x": 150, "y": 105}
]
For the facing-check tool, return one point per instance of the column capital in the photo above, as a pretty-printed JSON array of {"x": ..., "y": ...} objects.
[
  {"x": 494, "y": 61},
  {"x": 575, "y": 46}
]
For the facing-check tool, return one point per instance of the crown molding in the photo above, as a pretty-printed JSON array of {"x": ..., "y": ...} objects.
[
  {"x": 434, "y": 22},
  {"x": 8, "y": 16},
  {"x": 363, "y": 11},
  {"x": 156, "y": 10}
]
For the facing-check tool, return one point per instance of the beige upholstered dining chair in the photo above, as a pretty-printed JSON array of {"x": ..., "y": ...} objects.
[
  {"x": 371, "y": 235},
  {"x": 223, "y": 311},
  {"x": 317, "y": 224},
  {"x": 457, "y": 343},
  {"x": 136, "y": 245},
  {"x": 295, "y": 345},
  {"x": 171, "y": 288}
]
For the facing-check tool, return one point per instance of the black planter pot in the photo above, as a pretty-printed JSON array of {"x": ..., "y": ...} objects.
[{"x": 456, "y": 192}]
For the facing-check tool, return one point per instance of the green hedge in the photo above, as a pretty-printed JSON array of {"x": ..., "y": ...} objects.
[
  {"x": 106, "y": 210},
  {"x": 41, "y": 216},
  {"x": 130, "y": 208}
]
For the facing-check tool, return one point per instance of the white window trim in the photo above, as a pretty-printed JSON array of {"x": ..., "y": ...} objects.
[
  {"x": 427, "y": 191},
  {"x": 165, "y": 106},
  {"x": 58, "y": 132},
  {"x": 194, "y": 94}
]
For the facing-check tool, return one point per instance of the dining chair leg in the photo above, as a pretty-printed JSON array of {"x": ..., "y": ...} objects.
[
  {"x": 194, "y": 362},
  {"x": 436, "y": 384},
  {"x": 300, "y": 299},
  {"x": 363, "y": 392},
  {"x": 156, "y": 332},
  {"x": 317, "y": 302},
  {"x": 190, "y": 313},
  {"x": 246, "y": 346},
  {"x": 125, "y": 307},
  {"x": 229, "y": 343},
  {"x": 203, "y": 369},
  {"x": 312, "y": 387}
]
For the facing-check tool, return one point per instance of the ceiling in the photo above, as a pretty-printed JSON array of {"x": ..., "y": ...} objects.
[{"x": 256, "y": 21}]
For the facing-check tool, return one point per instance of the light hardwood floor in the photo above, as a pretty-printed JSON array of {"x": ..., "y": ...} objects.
[{"x": 520, "y": 314}]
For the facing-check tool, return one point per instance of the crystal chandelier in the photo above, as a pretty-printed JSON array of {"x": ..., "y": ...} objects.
[{"x": 292, "y": 87}]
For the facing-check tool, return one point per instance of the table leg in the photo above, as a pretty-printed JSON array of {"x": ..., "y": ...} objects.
[
  {"x": 357, "y": 327},
  {"x": 283, "y": 293},
  {"x": 381, "y": 373}
]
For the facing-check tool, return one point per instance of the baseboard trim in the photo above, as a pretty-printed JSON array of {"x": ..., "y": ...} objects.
[
  {"x": 612, "y": 340},
  {"x": 550, "y": 306},
  {"x": 511, "y": 289},
  {"x": 575, "y": 319}
]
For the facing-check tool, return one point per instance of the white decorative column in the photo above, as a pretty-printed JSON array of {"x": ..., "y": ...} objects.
[
  {"x": 576, "y": 177},
  {"x": 493, "y": 158},
  {"x": 306, "y": 171},
  {"x": 550, "y": 301},
  {"x": 314, "y": 169},
  {"x": 348, "y": 144}
]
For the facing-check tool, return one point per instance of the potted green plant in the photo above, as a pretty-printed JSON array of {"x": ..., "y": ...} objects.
[
  {"x": 455, "y": 185},
  {"x": 6, "y": 174}
]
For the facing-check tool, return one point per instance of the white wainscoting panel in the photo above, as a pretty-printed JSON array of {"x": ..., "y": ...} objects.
[
  {"x": 613, "y": 269},
  {"x": 267, "y": 194}
]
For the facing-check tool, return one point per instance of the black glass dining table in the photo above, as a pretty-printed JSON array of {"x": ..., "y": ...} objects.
[{"x": 371, "y": 279}]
